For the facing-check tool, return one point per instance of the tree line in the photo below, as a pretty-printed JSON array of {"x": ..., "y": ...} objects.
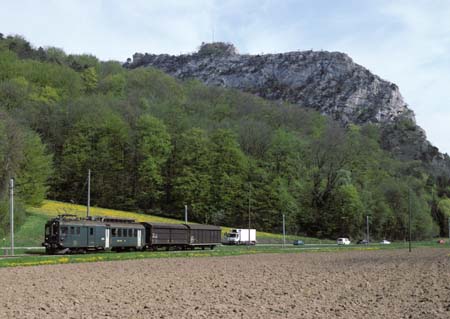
[{"x": 155, "y": 144}]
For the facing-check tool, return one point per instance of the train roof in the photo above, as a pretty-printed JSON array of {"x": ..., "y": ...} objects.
[
  {"x": 202, "y": 226},
  {"x": 125, "y": 222},
  {"x": 85, "y": 222},
  {"x": 96, "y": 221},
  {"x": 183, "y": 226},
  {"x": 165, "y": 225},
  {"x": 103, "y": 219}
]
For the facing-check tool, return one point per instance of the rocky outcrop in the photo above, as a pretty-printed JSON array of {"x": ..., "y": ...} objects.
[
  {"x": 329, "y": 82},
  {"x": 407, "y": 141}
]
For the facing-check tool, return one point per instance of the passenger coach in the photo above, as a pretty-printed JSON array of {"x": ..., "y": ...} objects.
[{"x": 68, "y": 233}]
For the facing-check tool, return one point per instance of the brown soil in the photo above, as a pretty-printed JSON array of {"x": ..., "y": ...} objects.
[{"x": 365, "y": 284}]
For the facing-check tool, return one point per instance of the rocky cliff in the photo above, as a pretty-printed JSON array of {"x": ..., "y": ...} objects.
[{"x": 329, "y": 82}]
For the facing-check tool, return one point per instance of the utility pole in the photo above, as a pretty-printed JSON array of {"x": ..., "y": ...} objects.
[
  {"x": 249, "y": 196},
  {"x": 88, "y": 211},
  {"x": 409, "y": 208},
  {"x": 11, "y": 212},
  {"x": 284, "y": 231},
  {"x": 185, "y": 214},
  {"x": 367, "y": 229}
]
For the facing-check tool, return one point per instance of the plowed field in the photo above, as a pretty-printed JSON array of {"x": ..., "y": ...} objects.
[{"x": 352, "y": 284}]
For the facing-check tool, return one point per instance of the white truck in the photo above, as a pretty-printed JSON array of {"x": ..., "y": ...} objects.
[{"x": 241, "y": 237}]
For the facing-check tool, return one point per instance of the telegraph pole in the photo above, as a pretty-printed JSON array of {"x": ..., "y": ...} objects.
[
  {"x": 249, "y": 208},
  {"x": 11, "y": 212},
  {"x": 89, "y": 195},
  {"x": 185, "y": 214},
  {"x": 284, "y": 231},
  {"x": 409, "y": 208},
  {"x": 367, "y": 229}
]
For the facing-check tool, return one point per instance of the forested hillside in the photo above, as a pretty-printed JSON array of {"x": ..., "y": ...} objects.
[{"x": 154, "y": 144}]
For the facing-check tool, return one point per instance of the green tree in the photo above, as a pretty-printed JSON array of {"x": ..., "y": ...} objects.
[
  {"x": 90, "y": 79},
  {"x": 35, "y": 170},
  {"x": 192, "y": 184},
  {"x": 349, "y": 211},
  {"x": 153, "y": 149},
  {"x": 284, "y": 155},
  {"x": 229, "y": 171},
  {"x": 113, "y": 84},
  {"x": 22, "y": 157},
  {"x": 14, "y": 93},
  {"x": 98, "y": 143},
  {"x": 444, "y": 208}
]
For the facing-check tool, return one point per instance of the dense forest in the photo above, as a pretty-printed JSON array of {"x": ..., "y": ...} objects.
[{"x": 155, "y": 144}]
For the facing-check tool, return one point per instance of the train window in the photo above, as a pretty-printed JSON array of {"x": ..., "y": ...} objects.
[
  {"x": 124, "y": 233},
  {"x": 120, "y": 232},
  {"x": 114, "y": 232},
  {"x": 130, "y": 232},
  {"x": 78, "y": 230},
  {"x": 135, "y": 233},
  {"x": 72, "y": 230},
  {"x": 47, "y": 230},
  {"x": 64, "y": 230},
  {"x": 91, "y": 231}
]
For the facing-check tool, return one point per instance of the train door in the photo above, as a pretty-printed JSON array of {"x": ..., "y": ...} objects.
[
  {"x": 107, "y": 233},
  {"x": 139, "y": 238},
  {"x": 91, "y": 237}
]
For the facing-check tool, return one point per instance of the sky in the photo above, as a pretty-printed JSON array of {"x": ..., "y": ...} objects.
[{"x": 406, "y": 42}]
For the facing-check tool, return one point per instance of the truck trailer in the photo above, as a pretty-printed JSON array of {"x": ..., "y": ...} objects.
[{"x": 241, "y": 236}]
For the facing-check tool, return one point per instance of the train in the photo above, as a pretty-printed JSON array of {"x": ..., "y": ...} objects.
[{"x": 71, "y": 234}]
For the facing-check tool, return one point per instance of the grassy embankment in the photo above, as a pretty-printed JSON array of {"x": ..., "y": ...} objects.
[{"x": 31, "y": 233}]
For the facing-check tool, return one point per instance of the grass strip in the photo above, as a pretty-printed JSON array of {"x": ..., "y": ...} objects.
[{"x": 39, "y": 260}]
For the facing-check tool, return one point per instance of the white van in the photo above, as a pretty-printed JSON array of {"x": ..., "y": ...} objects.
[{"x": 343, "y": 241}]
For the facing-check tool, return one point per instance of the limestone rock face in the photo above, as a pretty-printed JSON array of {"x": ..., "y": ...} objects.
[{"x": 329, "y": 82}]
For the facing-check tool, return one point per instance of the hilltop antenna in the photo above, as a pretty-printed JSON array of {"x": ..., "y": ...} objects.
[{"x": 213, "y": 23}]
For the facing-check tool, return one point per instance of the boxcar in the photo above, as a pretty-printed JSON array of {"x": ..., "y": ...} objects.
[
  {"x": 166, "y": 235},
  {"x": 204, "y": 235},
  {"x": 181, "y": 236}
]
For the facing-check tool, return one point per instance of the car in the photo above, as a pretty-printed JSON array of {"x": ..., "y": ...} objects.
[
  {"x": 298, "y": 242},
  {"x": 385, "y": 242},
  {"x": 363, "y": 242},
  {"x": 343, "y": 241}
]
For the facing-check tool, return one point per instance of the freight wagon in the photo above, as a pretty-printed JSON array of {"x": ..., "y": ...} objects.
[
  {"x": 70, "y": 234},
  {"x": 183, "y": 236}
]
